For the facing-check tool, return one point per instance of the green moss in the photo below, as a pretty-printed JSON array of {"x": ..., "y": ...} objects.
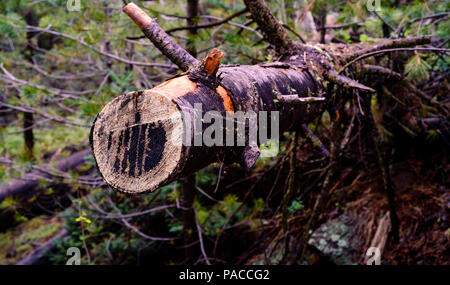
[{"x": 17, "y": 243}]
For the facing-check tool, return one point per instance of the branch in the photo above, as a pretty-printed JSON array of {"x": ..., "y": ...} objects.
[
  {"x": 35, "y": 256},
  {"x": 269, "y": 25},
  {"x": 83, "y": 43},
  {"x": 31, "y": 110},
  {"x": 292, "y": 30},
  {"x": 244, "y": 26},
  {"x": 294, "y": 99},
  {"x": 347, "y": 82},
  {"x": 210, "y": 25},
  {"x": 340, "y": 26},
  {"x": 384, "y": 22},
  {"x": 200, "y": 238},
  {"x": 131, "y": 227},
  {"x": 437, "y": 15},
  {"x": 379, "y": 70},
  {"x": 210, "y": 63},
  {"x": 387, "y": 44},
  {"x": 160, "y": 38},
  {"x": 313, "y": 137},
  {"x": 28, "y": 184},
  {"x": 390, "y": 50}
]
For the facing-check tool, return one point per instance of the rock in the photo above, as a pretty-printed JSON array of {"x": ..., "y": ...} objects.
[{"x": 337, "y": 240}]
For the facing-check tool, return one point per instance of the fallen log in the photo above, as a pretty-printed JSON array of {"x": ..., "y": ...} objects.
[
  {"x": 27, "y": 185},
  {"x": 36, "y": 256},
  {"x": 145, "y": 139}
]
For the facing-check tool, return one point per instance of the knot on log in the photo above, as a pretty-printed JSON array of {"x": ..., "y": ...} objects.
[{"x": 206, "y": 70}]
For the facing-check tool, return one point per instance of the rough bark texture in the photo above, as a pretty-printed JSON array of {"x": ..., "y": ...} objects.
[
  {"x": 133, "y": 136},
  {"x": 275, "y": 34}
]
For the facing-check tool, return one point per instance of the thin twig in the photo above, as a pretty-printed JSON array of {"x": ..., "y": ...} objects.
[
  {"x": 200, "y": 237},
  {"x": 390, "y": 50},
  {"x": 210, "y": 25},
  {"x": 115, "y": 57},
  {"x": 294, "y": 32},
  {"x": 218, "y": 177}
]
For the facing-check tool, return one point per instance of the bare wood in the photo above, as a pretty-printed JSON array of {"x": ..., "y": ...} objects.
[
  {"x": 213, "y": 60},
  {"x": 137, "y": 15},
  {"x": 381, "y": 235},
  {"x": 141, "y": 140},
  {"x": 294, "y": 99}
]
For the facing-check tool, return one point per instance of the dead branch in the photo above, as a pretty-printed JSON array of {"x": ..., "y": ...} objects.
[
  {"x": 160, "y": 38},
  {"x": 270, "y": 26}
]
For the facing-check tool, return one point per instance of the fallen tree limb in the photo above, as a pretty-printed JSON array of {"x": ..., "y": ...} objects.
[
  {"x": 145, "y": 139},
  {"x": 35, "y": 257},
  {"x": 27, "y": 185}
]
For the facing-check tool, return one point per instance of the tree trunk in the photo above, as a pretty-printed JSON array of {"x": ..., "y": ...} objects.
[
  {"x": 192, "y": 13},
  {"x": 145, "y": 139},
  {"x": 28, "y": 134},
  {"x": 28, "y": 121},
  {"x": 188, "y": 185}
]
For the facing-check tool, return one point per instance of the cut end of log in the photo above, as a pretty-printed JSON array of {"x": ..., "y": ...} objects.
[
  {"x": 137, "y": 15},
  {"x": 137, "y": 141}
]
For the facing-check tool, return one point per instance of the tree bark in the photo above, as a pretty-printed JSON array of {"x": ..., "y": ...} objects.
[
  {"x": 131, "y": 136},
  {"x": 136, "y": 139}
]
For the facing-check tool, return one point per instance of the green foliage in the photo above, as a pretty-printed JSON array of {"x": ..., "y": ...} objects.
[
  {"x": 214, "y": 218},
  {"x": 295, "y": 206},
  {"x": 12, "y": 26},
  {"x": 26, "y": 237},
  {"x": 417, "y": 68},
  {"x": 365, "y": 38}
]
